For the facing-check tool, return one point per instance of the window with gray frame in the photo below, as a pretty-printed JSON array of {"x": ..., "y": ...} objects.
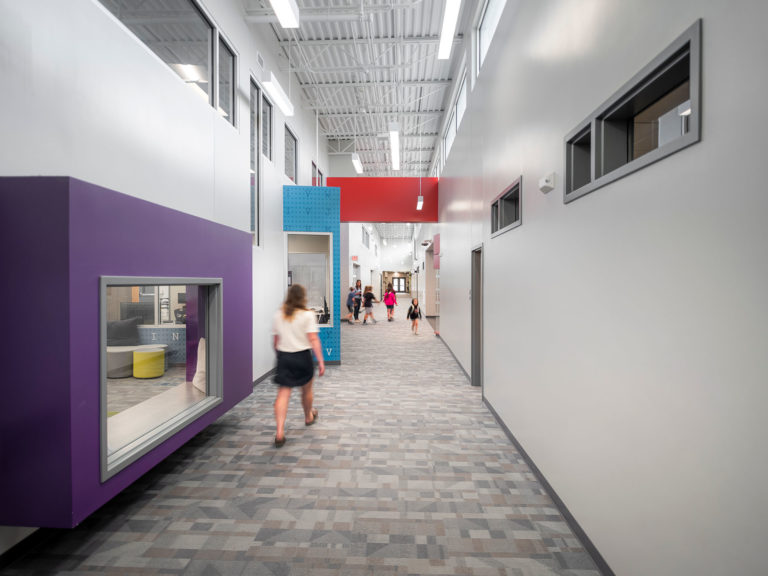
[
  {"x": 314, "y": 175},
  {"x": 486, "y": 28},
  {"x": 255, "y": 163},
  {"x": 226, "y": 82},
  {"x": 654, "y": 115},
  {"x": 185, "y": 43},
  {"x": 291, "y": 148},
  {"x": 161, "y": 354},
  {"x": 505, "y": 209},
  {"x": 320, "y": 178},
  {"x": 266, "y": 127}
]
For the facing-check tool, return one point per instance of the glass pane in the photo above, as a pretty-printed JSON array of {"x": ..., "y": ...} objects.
[
  {"x": 155, "y": 357},
  {"x": 450, "y": 134},
  {"x": 309, "y": 264},
  {"x": 290, "y": 155},
  {"x": 255, "y": 99},
  {"x": 661, "y": 122},
  {"x": 226, "y": 82},
  {"x": 461, "y": 102},
  {"x": 266, "y": 128},
  {"x": 187, "y": 53},
  {"x": 488, "y": 24}
]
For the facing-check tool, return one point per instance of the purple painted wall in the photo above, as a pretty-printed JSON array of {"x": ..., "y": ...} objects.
[
  {"x": 35, "y": 451},
  {"x": 59, "y": 236}
]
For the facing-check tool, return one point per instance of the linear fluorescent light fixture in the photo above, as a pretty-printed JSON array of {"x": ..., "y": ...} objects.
[
  {"x": 273, "y": 88},
  {"x": 287, "y": 12},
  {"x": 394, "y": 144},
  {"x": 356, "y": 163},
  {"x": 450, "y": 17},
  {"x": 191, "y": 72}
]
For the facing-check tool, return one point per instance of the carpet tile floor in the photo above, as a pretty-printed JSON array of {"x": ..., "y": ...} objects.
[{"x": 405, "y": 473}]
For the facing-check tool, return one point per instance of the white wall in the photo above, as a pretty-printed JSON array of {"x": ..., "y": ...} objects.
[
  {"x": 396, "y": 256},
  {"x": 82, "y": 97},
  {"x": 366, "y": 258},
  {"x": 626, "y": 332}
]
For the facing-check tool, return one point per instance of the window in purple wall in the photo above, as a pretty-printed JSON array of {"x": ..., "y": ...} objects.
[{"x": 160, "y": 361}]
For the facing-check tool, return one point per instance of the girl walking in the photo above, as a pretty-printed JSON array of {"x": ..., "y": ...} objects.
[
  {"x": 414, "y": 313},
  {"x": 369, "y": 298},
  {"x": 295, "y": 330},
  {"x": 358, "y": 299},
  {"x": 390, "y": 299},
  {"x": 351, "y": 304}
]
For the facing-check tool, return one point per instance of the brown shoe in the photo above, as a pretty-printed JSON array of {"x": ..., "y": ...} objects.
[{"x": 314, "y": 418}]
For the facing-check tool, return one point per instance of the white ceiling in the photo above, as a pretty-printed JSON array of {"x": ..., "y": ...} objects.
[{"x": 364, "y": 64}]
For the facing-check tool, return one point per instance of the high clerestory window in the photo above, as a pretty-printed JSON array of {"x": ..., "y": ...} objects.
[
  {"x": 654, "y": 115},
  {"x": 226, "y": 82},
  {"x": 291, "y": 148},
  {"x": 450, "y": 134},
  {"x": 457, "y": 113},
  {"x": 461, "y": 101},
  {"x": 183, "y": 37},
  {"x": 266, "y": 127},
  {"x": 489, "y": 19},
  {"x": 255, "y": 163}
]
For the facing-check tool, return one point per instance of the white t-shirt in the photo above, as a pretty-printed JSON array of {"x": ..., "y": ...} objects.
[{"x": 292, "y": 334}]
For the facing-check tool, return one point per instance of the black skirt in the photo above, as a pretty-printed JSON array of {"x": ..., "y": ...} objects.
[{"x": 294, "y": 368}]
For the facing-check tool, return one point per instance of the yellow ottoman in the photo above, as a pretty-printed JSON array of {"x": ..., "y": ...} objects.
[{"x": 148, "y": 363}]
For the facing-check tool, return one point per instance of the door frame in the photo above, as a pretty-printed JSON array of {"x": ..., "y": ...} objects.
[{"x": 476, "y": 315}]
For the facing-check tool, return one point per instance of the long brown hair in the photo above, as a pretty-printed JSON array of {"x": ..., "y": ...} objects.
[{"x": 295, "y": 299}]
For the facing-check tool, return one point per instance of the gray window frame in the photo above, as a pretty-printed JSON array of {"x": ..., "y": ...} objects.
[
  {"x": 221, "y": 41},
  {"x": 500, "y": 208},
  {"x": 124, "y": 457},
  {"x": 255, "y": 157},
  {"x": 212, "y": 49},
  {"x": 598, "y": 122}
]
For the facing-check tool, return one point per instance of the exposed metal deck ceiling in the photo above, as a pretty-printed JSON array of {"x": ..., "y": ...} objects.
[{"x": 361, "y": 65}]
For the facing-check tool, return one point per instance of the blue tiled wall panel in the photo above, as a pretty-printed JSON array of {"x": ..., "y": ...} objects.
[
  {"x": 317, "y": 209},
  {"x": 174, "y": 335}
]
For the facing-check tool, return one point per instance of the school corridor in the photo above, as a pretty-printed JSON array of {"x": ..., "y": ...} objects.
[{"x": 406, "y": 472}]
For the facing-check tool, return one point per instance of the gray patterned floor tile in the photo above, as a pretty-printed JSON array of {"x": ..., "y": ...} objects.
[{"x": 405, "y": 473}]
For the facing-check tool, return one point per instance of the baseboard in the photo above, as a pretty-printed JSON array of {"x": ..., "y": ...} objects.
[
  {"x": 469, "y": 378},
  {"x": 264, "y": 376},
  {"x": 597, "y": 558}
]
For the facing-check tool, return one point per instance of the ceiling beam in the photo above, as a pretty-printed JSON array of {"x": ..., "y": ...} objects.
[
  {"x": 362, "y": 41},
  {"x": 343, "y": 115},
  {"x": 350, "y": 136},
  {"x": 387, "y": 83}
]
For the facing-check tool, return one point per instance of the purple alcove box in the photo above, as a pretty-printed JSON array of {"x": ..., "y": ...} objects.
[{"x": 58, "y": 237}]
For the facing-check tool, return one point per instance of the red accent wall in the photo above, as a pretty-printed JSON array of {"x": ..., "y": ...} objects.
[{"x": 386, "y": 199}]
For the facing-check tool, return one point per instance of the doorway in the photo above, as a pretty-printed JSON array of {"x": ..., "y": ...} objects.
[{"x": 476, "y": 295}]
